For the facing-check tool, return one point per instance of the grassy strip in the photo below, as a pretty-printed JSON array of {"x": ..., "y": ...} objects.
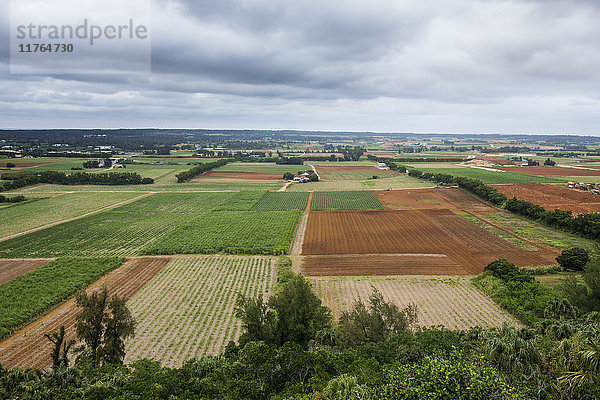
[{"x": 28, "y": 296}]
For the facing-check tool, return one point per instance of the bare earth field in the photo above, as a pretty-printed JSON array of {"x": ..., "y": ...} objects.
[
  {"x": 553, "y": 196},
  {"x": 551, "y": 171},
  {"x": 419, "y": 233},
  {"x": 449, "y": 301},
  {"x": 186, "y": 311},
  {"x": 28, "y": 348},
  {"x": 427, "y": 199},
  {"x": 217, "y": 174},
  {"x": 10, "y": 269}
]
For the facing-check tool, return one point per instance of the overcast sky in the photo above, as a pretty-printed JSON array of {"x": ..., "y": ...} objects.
[{"x": 448, "y": 66}]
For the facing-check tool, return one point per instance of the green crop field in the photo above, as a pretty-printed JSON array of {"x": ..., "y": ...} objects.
[
  {"x": 493, "y": 177},
  {"x": 360, "y": 176},
  {"x": 241, "y": 201},
  {"x": 282, "y": 201},
  {"x": 29, "y": 295},
  {"x": 394, "y": 182},
  {"x": 22, "y": 217},
  {"x": 271, "y": 168},
  {"x": 358, "y": 200},
  {"x": 235, "y": 232},
  {"x": 103, "y": 234},
  {"x": 177, "y": 202}
]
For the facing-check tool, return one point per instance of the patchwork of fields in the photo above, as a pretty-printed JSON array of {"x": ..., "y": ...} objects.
[{"x": 348, "y": 233}]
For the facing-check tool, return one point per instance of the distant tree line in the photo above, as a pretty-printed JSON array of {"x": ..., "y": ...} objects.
[
  {"x": 78, "y": 178},
  {"x": 14, "y": 199},
  {"x": 200, "y": 169}
]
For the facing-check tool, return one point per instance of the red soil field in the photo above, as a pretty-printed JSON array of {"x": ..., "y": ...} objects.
[
  {"x": 427, "y": 199},
  {"x": 10, "y": 269},
  {"x": 28, "y": 348},
  {"x": 239, "y": 175},
  {"x": 417, "y": 232},
  {"x": 551, "y": 171},
  {"x": 553, "y": 196}
]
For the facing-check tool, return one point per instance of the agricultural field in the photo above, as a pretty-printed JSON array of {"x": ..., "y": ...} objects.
[
  {"x": 104, "y": 234},
  {"x": 28, "y": 348},
  {"x": 177, "y": 203},
  {"x": 438, "y": 198},
  {"x": 493, "y": 177},
  {"x": 10, "y": 269},
  {"x": 57, "y": 207},
  {"x": 336, "y": 172},
  {"x": 186, "y": 311},
  {"x": 216, "y": 174},
  {"x": 383, "y": 183},
  {"x": 424, "y": 233},
  {"x": 282, "y": 201},
  {"x": 235, "y": 232},
  {"x": 553, "y": 196},
  {"x": 551, "y": 171},
  {"x": 263, "y": 167},
  {"x": 358, "y": 200},
  {"x": 29, "y": 295},
  {"x": 449, "y": 301},
  {"x": 242, "y": 201}
]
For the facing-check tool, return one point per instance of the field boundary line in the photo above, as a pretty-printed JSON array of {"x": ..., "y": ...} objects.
[
  {"x": 77, "y": 217},
  {"x": 296, "y": 245},
  {"x": 315, "y": 171}
]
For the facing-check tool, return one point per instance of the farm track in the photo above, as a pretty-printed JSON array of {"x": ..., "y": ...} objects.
[
  {"x": 346, "y": 233},
  {"x": 449, "y": 301},
  {"x": 10, "y": 269},
  {"x": 77, "y": 217},
  {"x": 28, "y": 348}
]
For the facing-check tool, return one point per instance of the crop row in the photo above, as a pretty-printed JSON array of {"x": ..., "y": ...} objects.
[
  {"x": 241, "y": 201},
  {"x": 29, "y": 295},
  {"x": 177, "y": 202},
  {"x": 282, "y": 201},
  {"x": 349, "y": 200},
  {"x": 234, "y": 232},
  {"x": 104, "y": 234},
  {"x": 186, "y": 311}
]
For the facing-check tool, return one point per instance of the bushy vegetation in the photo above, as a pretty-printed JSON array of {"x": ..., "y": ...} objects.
[
  {"x": 573, "y": 259},
  {"x": 13, "y": 199},
  {"x": 29, "y": 295},
  {"x": 77, "y": 178},
  {"x": 200, "y": 169},
  {"x": 345, "y": 200},
  {"x": 514, "y": 290},
  {"x": 233, "y": 232}
]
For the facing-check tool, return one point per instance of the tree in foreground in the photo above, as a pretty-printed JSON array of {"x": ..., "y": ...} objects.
[
  {"x": 292, "y": 314},
  {"x": 103, "y": 325},
  {"x": 375, "y": 322},
  {"x": 60, "y": 351}
]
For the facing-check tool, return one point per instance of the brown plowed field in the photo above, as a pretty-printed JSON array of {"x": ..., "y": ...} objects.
[
  {"x": 553, "y": 196},
  {"x": 410, "y": 232},
  {"x": 28, "y": 348},
  {"x": 382, "y": 264},
  {"x": 426, "y": 199},
  {"x": 239, "y": 175},
  {"x": 10, "y": 269},
  {"x": 551, "y": 171}
]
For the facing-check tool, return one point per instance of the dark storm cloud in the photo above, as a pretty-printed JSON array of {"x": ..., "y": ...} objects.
[{"x": 493, "y": 65}]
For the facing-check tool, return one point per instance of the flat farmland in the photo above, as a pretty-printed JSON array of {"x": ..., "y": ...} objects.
[
  {"x": 28, "y": 348},
  {"x": 493, "y": 177},
  {"x": 349, "y": 200},
  {"x": 551, "y": 171},
  {"x": 386, "y": 182},
  {"x": 282, "y": 201},
  {"x": 176, "y": 203},
  {"x": 186, "y": 311},
  {"x": 10, "y": 269},
  {"x": 217, "y": 174},
  {"x": 553, "y": 196},
  {"x": 449, "y": 301},
  {"x": 418, "y": 232},
  {"x": 411, "y": 199},
  {"x": 270, "y": 168},
  {"x": 104, "y": 234},
  {"x": 22, "y": 217},
  {"x": 350, "y": 172}
]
